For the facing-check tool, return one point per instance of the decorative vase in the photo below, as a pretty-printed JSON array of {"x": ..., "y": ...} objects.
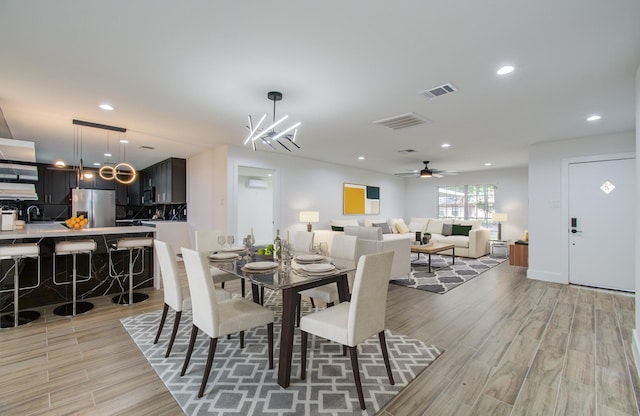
[{"x": 426, "y": 238}]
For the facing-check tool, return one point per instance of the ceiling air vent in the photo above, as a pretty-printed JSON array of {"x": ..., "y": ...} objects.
[
  {"x": 439, "y": 91},
  {"x": 147, "y": 147},
  {"x": 402, "y": 121},
  {"x": 407, "y": 151}
]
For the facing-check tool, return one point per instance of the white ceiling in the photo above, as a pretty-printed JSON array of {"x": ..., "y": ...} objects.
[{"x": 183, "y": 76}]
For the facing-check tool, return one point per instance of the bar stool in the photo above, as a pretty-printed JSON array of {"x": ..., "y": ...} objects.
[
  {"x": 17, "y": 252},
  {"x": 73, "y": 248},
  {"x": 131, "y": 244}
]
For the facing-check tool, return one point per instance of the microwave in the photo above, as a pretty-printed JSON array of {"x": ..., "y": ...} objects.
[{"x": 149, "y": 195}]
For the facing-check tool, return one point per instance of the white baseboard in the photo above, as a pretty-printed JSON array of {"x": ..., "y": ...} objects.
[
  {"x": 546, "y": 276},
  {"x": 635, "y": 349}
]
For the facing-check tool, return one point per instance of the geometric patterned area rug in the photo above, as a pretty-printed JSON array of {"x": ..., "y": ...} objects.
[
  {"x": 444, "y": 276},
  {"x": 240, "y": 382}
]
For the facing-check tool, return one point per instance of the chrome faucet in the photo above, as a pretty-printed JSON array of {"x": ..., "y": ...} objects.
[{"x": 29, "y": 212}]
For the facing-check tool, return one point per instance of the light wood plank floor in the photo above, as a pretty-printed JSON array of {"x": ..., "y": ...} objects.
[{"x": 513, "y": 347}]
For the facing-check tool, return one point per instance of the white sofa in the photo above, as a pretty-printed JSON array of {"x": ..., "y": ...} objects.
[
  {"x": 371, "y": 240},
  {"x": 475, "y": 245}
]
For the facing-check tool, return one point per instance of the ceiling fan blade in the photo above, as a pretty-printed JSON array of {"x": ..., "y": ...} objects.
[
  {"x": 437, "y": 175},
  {"x": 405, "y": 174}
]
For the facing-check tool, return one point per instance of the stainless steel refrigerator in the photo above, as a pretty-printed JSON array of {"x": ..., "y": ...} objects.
[{"x": 98, "y": 205}]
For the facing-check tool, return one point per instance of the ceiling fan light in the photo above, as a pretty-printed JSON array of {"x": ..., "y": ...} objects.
[
  {"x": 60, "y": 163},
  {"x": 426, "y": 173}
]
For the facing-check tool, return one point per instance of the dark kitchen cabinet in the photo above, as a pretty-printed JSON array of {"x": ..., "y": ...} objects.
[
  {"x": 56, "y": 186},
  {"x": 169, "y": 178}
]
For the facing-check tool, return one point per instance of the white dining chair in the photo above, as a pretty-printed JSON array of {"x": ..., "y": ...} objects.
[
  {"x": 350, "y": 323},
  {"x": 207, "y": 240},
  {"x": 173, "y": 296},
  {"x": 302, "y": 240},
  {"x": 218, "y": 318},
  {"x": 343, "y": 250}
]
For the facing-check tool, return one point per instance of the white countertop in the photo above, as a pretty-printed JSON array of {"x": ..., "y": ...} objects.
[{"x": 56, "y": 229}]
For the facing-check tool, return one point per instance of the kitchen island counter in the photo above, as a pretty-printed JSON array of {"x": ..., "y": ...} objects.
[
  {"x": 109, "y": 268},
  {"x": 57, "y": 229}
]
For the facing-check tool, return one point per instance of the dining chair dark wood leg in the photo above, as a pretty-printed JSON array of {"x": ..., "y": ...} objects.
[
  {"x": 344, "y": 350},
  {"x": 176, "y": 323},
  {"x": 330, "y": 304},
  {"x": 165, "y": 309},
  {"x": 385, "y": 355},
  {"x": 299, "y": 307},
  {"x": 241, "y": 339},
  {"x": 313, "y": 304},
  {"x": 303, "y": 355},
  {"x": 353, "y": 351},
  {"x": 270, "y": 340},
  {"x": 262, "y": 295},
  {"x": 192, "y": 341},
  {"x": 207, "y": 369}
]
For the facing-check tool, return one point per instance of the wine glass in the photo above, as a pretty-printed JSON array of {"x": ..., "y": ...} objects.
[
  {"x": 230, "y": 241},
  {"x": 221, "y": 240},
  {"x": 323, "y": 249}
]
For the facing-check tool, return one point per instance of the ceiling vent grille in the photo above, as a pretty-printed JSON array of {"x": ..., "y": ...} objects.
[
  {"x": 147, "y": 147},
  {"x": 402, "y": 121},
  {"x": 407, "y": 151},
  {"x": 439, "y": 91}
]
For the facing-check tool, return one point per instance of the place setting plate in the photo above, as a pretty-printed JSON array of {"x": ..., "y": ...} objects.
[
  {"x": 233, "y": 250},
  {"x": 318, "y": 268},
  {"x": 259, "y": 266},
  {"x": 310, "y": 258},
  {"x": 223, "y": 256}
]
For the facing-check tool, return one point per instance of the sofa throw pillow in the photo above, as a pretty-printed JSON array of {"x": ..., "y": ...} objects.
[
  {"x": 336, "y": 228},
  {"x": 392, "y": 224},
  {"x": 458, "y": 229},
  {"x": 402, "y": 228},
  {"x": 447, "y": 229},
  {"x": 416, "y": 227},
  {"x": 384, "y": 226},
  {"x": 435, "y": 226}
]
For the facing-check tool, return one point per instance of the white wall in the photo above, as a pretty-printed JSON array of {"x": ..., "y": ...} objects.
[
  {"x": 547, "y": 228},
  {"x": 206, "y": 191},
  {"x": 421, "y": 198},
  {"x": 304, "y": 184},
  {"x": 636, "y": 334}
]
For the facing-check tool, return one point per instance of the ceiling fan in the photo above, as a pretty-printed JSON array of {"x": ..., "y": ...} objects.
[{"x": 427, "y": 172}]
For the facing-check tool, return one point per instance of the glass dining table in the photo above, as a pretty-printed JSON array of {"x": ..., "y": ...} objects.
[{"x": 289, "y": 280}]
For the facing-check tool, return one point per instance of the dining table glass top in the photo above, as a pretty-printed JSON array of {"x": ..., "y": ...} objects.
[{"x": 277, "y": 275}]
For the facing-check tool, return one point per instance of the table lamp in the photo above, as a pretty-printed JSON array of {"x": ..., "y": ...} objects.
[
  {"x": 500, "y": 217},
  {"x": 309, "y": 217}
]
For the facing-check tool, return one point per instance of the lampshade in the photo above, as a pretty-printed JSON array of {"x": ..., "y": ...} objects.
[
  {"x": 499, "y": 217},
  {"x": 309, "y": 216}
]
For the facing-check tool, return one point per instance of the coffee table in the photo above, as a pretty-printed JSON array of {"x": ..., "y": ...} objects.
[{"x": 434, "y": 248}]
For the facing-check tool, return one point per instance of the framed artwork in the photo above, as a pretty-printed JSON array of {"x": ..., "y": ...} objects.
[{"x": 361, "y": 199}]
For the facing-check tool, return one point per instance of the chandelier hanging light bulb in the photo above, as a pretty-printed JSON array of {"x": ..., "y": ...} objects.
[{"x": 269, "y": 135}]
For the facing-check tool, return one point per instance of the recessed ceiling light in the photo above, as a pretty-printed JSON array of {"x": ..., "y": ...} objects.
[
  {"x": 488, "y": 164},
  {"x": 60, "y": 164},
  {"x": 96, "y": 163},
  {"x": 445, "y": 145},
  {"x": 106, "y": 107},
  {"x": 360, "y": 157},
  {"x": 125, "y": 141},
  {"x": 108, "y": 155},
  {"x": 507, "y": 69},
  {"x": 594, "y": 117}
]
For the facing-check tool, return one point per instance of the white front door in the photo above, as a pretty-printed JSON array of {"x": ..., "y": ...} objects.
[{"x": 602, "y": 224}]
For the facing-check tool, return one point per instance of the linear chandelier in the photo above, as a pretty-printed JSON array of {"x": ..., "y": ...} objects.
[
  {"x": 122, "y": 172},
  {"x": 269, "y": 135}
]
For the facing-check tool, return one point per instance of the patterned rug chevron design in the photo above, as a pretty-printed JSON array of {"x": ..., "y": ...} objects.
[
  {"x": 444, "y": 276},
  {"x": 242, "y": 384}
]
